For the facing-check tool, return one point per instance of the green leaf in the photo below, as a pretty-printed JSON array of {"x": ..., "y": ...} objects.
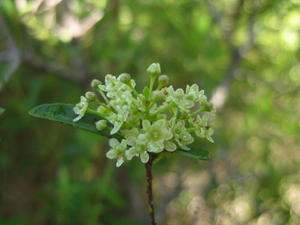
[
  {"x": 64, "y": 113},
  {"x": 196, "y": 153},
  {"x": 2, "y": 110}
]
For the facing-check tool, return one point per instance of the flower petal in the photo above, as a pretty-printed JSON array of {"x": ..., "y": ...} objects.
[
  {"x": 120, "y": 161},
  {"x": 111, "y": 154},
  {"x": 170, "y": 146},
  {"x": 113, "y": 142},
  {"x": 144, "y": 157}
]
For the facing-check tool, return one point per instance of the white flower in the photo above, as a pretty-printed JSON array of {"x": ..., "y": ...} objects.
[
  {"x": 114, "y": 87},
  {"x": 80, "y": 108},
  {"x": 138, "y": 150},
  {"x": 181, "y": 135},
  {"x": 203, "y": 125},
  {"x": 131, "y": 135},
  {"x": 154, "y": 135},
  {"x": 117, "y": 120},
  {"x": 193, "y": 93},
  {"x": 125, "y": 78},
  {"x": 179, "y": 99},
  {"x": 117, "y": 151}
]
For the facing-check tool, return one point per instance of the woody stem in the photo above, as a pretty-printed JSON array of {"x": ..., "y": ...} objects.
[{"x": 148, "y": 167}]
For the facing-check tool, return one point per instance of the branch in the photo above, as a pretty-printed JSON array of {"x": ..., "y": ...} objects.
[
  {"x": 11, "y": 55},
  {"x": 220, "y": 94},
  {"x": 57, "y": 68}
]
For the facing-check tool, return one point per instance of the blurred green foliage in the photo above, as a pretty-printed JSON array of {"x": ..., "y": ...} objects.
[{"x": 244, "y": 53}]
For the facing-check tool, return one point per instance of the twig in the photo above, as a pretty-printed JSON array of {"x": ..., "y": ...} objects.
[
  {"x": 11, "y": 55},
  {"x": 53, "y": 67},
  {"x": 148, "y": 167},
  {"x": 220, "y": 94}
]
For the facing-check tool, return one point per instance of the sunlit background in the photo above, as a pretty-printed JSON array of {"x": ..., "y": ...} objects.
[{"x": 244, "y": 53}]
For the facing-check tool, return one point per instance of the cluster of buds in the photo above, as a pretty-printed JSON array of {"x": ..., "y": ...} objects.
[{"x": 158, "y": 119}]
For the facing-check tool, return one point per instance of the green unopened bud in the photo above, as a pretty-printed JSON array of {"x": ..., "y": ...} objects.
[
  {"x": 95, "y": 83},
  {"x": 158, "y": 96},
  {"x": 209, "y": 107},
  {"x": 90, "y": 96},
  {"x": 154, "y": 69},
  {"x": 103, "y": 111},
  {"x": 163, "y": 80},
  {"x": 124, "y": 78},
  {"x": 101, "y": 124}
]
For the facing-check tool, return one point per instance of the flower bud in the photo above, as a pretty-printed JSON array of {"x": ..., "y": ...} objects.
[
  {"x": 90, "y": 96},
  {"x": 103, "y": 111},
  {"x": 158, "y": 96},
  {"x": 124, "y": 78},
  {"x": 209, "y": 106},
  {"x": 163, "y": 80},
  {"x": 101, "y": 124},
  {"x": 154, "y": 69},
  {"x": 95, "y": 83}
]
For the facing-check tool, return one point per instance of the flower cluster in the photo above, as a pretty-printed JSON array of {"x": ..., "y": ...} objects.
[{"x": 156, "y": 120}]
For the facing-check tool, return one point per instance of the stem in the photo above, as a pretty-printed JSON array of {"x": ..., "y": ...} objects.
[
  {"x": 152, "y": 81},
  {"x": 148, "y": 167}
]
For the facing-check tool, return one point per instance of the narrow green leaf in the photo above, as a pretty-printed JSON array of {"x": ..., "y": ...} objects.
[
  {"x": 64, "y": 113},
  {"x": 2, "y": 110},
  {"x": 196, "y": 153}
]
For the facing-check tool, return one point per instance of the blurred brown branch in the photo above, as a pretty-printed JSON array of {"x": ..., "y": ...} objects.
[
  {"x": 11, "y": 55},
  {"x": 54, "y": 67},
  {"x": 220, "y": 94}
]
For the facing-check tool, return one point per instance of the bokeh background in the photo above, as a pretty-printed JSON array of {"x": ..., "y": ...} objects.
[{"x": 244, "y": 53}]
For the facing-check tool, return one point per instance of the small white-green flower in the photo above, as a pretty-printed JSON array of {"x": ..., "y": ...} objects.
[
  {"x": 194, "y": 94},
  {"x": 181, "y": 135},
  {"x": 117, "y": 151},
  {"x": 110, "y": 83},
  {"x": 158, "y": 96},
  {"x": 123, "y": 101},
  {"x": 117, "y": 120},
  {"x": 203, "y": 126},
  {"x": 138, "y": 150},
  {"x": 154, "y": 135},
  {"x": 179, "y": 98},
  {"x": 113, "y": 87},
  {"x": 125, "y": 78},
  {"x": 80, "y": 108},
  {"x": 131, "y": 135}
]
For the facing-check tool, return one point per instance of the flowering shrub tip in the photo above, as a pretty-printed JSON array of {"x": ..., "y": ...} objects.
[{"x": 159, "y": 119}]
